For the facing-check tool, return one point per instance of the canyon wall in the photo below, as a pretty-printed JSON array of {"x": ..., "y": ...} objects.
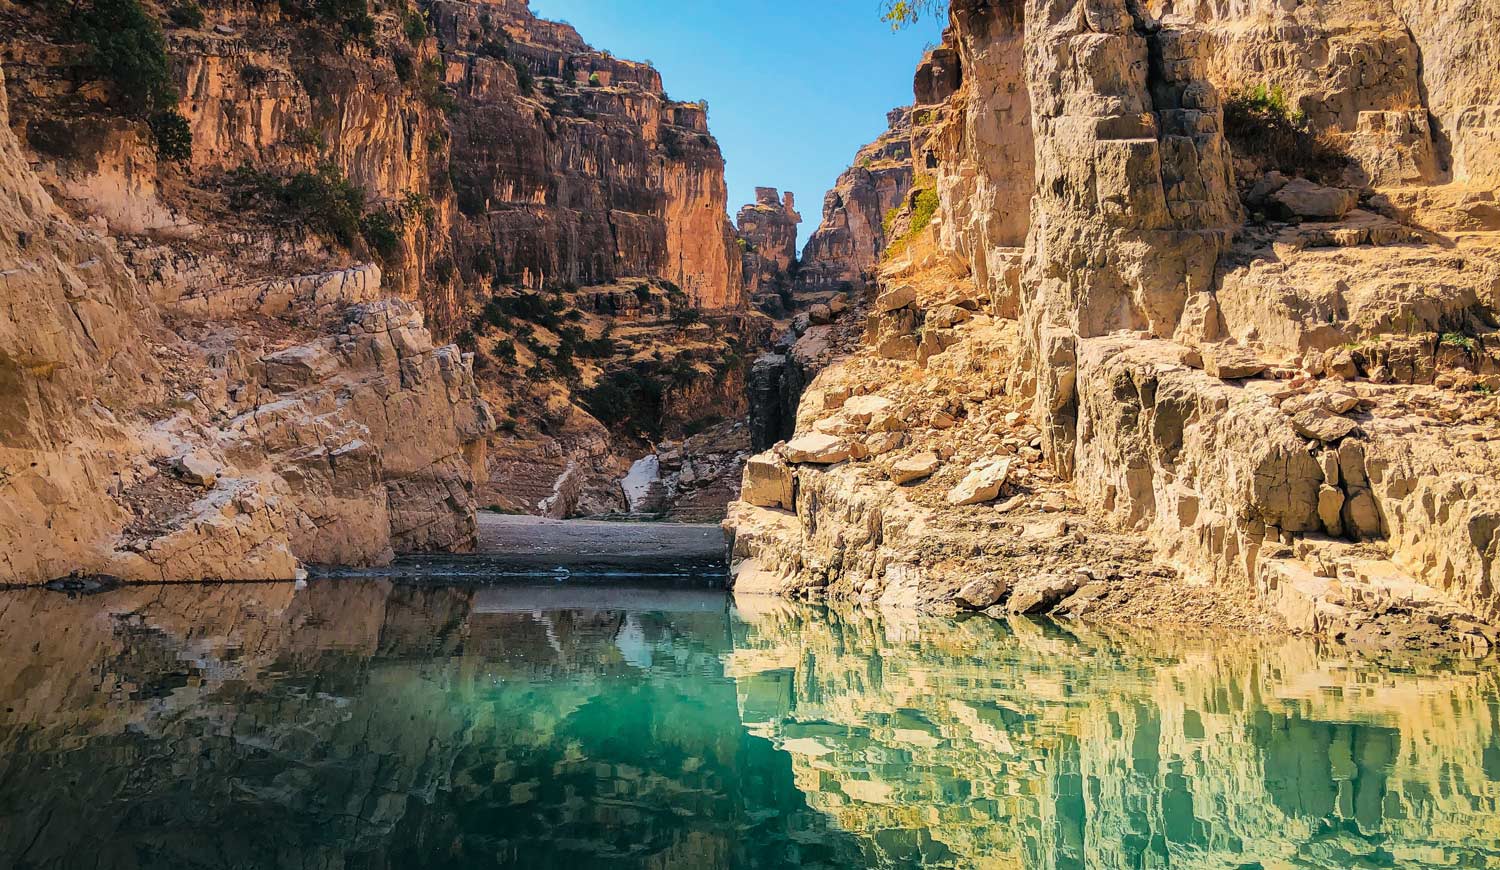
[
  {"x": 1185, "y": 283},
  {"x": 238, "y": 250}
]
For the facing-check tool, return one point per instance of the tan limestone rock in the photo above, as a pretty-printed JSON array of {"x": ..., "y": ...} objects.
[
  {"x": 914, "y": 468},
  {"x": 983, "y": 482}
]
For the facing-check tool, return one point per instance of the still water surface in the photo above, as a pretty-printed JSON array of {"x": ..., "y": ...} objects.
[{"x": 368, "y": 724}]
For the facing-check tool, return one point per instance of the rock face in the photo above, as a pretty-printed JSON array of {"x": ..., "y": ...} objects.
[
  {"x": 843, "y": 252},
  {"x": 214, "y": 454},
  {"x": 219, "y": 361},
  {"x": 573, "y": 167},
  {"x": 1273, "y": 362},
  {"x": 767, "y": 232}
]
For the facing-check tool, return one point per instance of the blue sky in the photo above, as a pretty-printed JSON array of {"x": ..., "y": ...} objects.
[{"x": 794, "y": 87}]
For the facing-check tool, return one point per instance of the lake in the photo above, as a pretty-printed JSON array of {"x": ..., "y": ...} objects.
[{"x": 367, "y": 723}]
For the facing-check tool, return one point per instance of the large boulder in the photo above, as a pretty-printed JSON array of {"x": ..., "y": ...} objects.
[
  {"x": 816, "y": 449},
  {"x": 983, "y": 482}
]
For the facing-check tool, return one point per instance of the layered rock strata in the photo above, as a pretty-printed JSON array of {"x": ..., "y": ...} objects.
[
  {"x": 216, "y": 452},
  {"x": 1280, "y": 374}
]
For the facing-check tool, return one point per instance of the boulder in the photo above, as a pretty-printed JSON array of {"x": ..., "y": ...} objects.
[
  {"x": 1314, "y": 201},
  {"x": 197, "y": 469},
  {"x": 862, "y": 409},
  {"x": 1322, "y": 425},
  {"x": 768, "y": 482},
  {"x": 982, "y": 592},
  {"x": 947, "y": 316},
  {"x": 1231, "y": 362},
  {"x": 914, "y": 468},
  {"x": 817, "y": 449},
  {"x": 983, "y": 482},
  {"x": 895, "y": 298},
  {"x": 1041, "y": 593}
]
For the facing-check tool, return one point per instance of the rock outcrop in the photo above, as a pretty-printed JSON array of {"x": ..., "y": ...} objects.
[
  {"x": 844, "y": 251},
  {"x": 767, "y": 231},
  {"x": 1221, "y": 291}
]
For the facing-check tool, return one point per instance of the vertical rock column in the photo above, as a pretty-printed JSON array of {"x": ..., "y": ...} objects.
[{"x": 1134, "y": 199}]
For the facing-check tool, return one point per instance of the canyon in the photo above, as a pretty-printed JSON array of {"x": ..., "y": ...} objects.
[{"x": 1129, "y": 314}]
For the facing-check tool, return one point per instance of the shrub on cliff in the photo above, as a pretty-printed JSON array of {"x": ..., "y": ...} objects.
[
  {"x": 186, "y": 15},
  {"x": 524, "y": 77},
  {"x": 415, "y": 27},
  {"x": 125, "y": 45},
  {"x": 174, "y": 138},
  {"x": 1261, "y": 125}
]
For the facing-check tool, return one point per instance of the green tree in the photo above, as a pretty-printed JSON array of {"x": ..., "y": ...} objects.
[
  {"x": 125, "y": 45},
  {"x": 904, "y": 13}
]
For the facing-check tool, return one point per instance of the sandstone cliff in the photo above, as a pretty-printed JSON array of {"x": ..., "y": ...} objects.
[{"x": 1239, "y": 300}]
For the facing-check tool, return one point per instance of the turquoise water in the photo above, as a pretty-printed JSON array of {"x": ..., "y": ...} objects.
[{"x": 366, "y": 724}]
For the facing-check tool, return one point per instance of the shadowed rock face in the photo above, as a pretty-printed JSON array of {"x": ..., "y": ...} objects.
[
  {"x": 587, "y": 171},
  {"x": 360, "y": 722}
]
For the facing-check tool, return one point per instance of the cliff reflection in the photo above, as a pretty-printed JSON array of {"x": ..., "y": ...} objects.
[
  {"x": 362, "y": 724},
  {"x": 980, "y": 744},
  {"x": 374, "y": 725}
]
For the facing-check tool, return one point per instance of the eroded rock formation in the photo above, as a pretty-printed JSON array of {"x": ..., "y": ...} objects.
[
  {"x": 1240, "y": 301},
  {"x": 843, "y": 252},
  {"x": 768, "y": 239}
]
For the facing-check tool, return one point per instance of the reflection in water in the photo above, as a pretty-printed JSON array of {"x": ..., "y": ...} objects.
[{"x": 361, "y": 724}]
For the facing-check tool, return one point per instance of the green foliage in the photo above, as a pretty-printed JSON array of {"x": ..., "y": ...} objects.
[
  {"x": 187, "y": 14},
  {"x": 686, "y": 316},
  {"x": 493, "y": 49},
  {"x": 415, "y": 27},
  {"x": 174, "y": 138},
  {"x": 1260, "y": 124},
  {"x": 431, "y": 85},
  {"x": 888, "y": 222},
  {"x": 524, "y": 78},
  {"x": 404, "y": 68},
  {"x": 125, "y": 45},
  {"x": 326, "y": 201},
  {"x": 923, "y": 209},
  {"x": 628, "y": 399},
  {"x": 594, "y": 79},
  {"x": 1458, "y": 340},
  {"x": 254, "y": 75},
  {"x": 504, "y": 352},
  {"x": 904, "y": 13},
  {"x": 746, "y": 246},
  {"x": 382, "y": 231},
  {"x": 305, "y": 137},
  {"x": 924, "y": 204},
  {"x": 351, "y": 17},
  {"x": 643, "y": 293}
]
